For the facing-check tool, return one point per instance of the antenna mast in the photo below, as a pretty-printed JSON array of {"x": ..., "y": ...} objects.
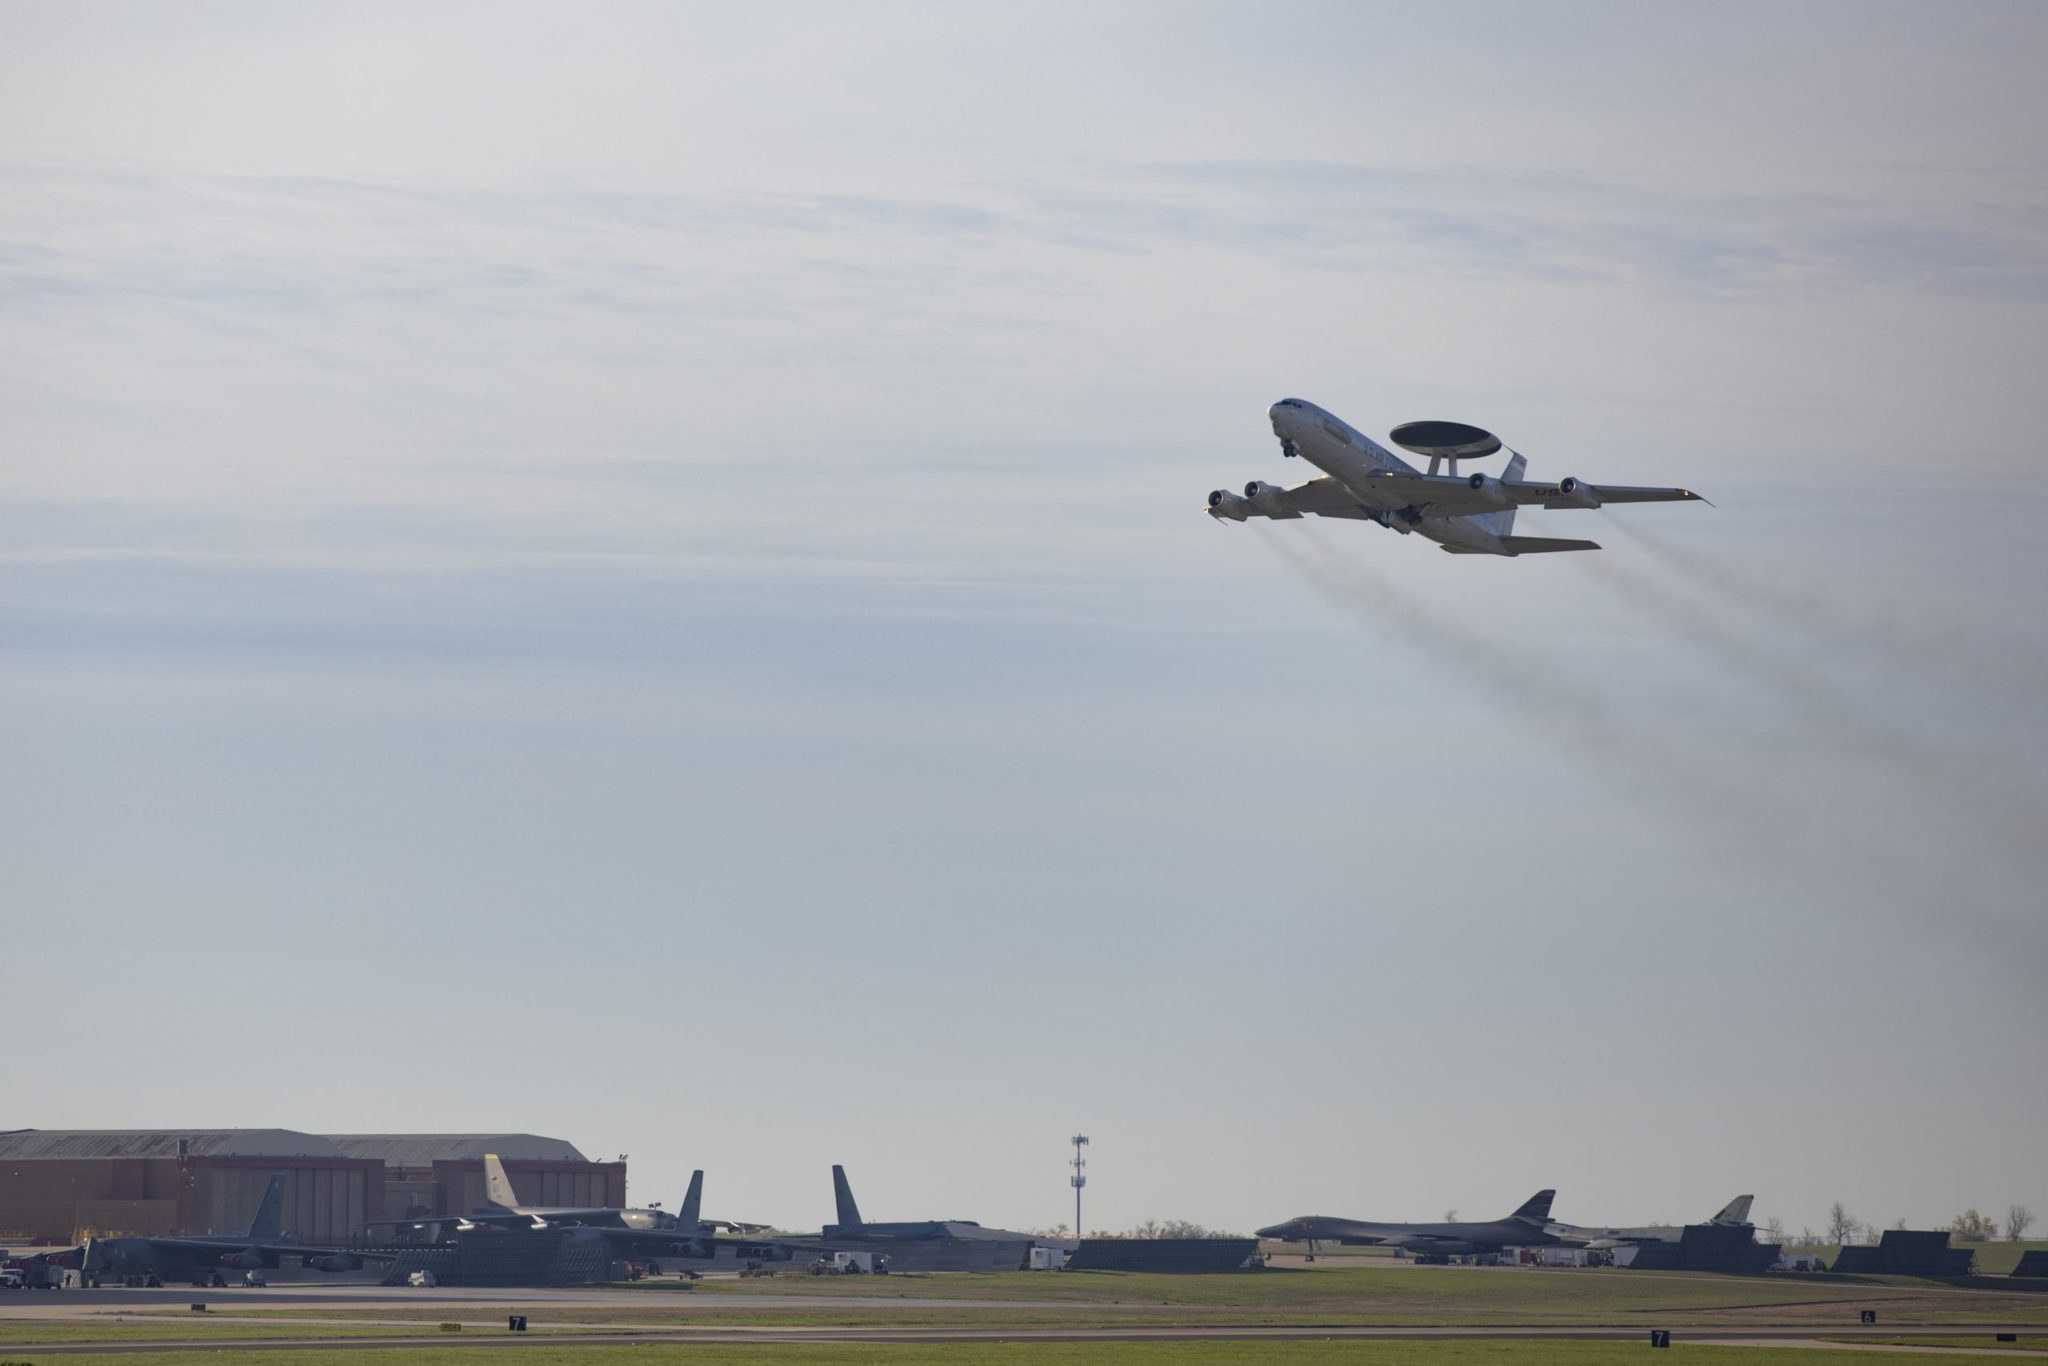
[{"x": 1077, "y": 1180}]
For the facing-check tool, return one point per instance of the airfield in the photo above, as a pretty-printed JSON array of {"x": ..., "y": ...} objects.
[{"x": 1340, "y": 1309}]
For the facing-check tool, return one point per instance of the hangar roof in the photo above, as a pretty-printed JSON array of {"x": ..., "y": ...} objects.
[
  {"x": 30, "y": 1144},
  {"x": 422, "y": 1150}
]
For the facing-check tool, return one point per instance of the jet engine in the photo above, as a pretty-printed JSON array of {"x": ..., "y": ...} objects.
[
  {"x": 1572, "y": 493},
  {"x": 1263, "y": 496},
  {"x": 1488, "y": 487},
  {"x": 1224, "y": 503},
  {"x": 248, "y": 1259},
  {"x": 337, "y": 1261}
]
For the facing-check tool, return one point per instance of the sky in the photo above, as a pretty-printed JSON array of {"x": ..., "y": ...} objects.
[{"x": 637, "y": 573}]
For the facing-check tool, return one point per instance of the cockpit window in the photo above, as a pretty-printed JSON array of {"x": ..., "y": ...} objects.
[{"x": 1290, "y": 403}]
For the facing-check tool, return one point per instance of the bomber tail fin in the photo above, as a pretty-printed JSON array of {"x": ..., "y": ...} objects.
[
  {"x": 688, "y": 1217},
  {"x": 1536, "y": 1207},
  {"x": 1736, "y": 1211},
  {"x": 842, "y": 1195},
  {"x": 269, "y": 1221},
  {"x": 497, "y": 1185}
]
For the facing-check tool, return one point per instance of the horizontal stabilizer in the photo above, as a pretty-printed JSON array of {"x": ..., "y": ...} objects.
[{"x": 1539, "y": 545}]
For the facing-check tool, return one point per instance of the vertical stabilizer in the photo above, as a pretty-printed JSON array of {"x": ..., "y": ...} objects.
[
  {"x": 497, "y": 1185},
  {"x": 1502, "y": 523},
  {"x": 1536, "y": 1207},
  {"x": 1735, "y": 1212},
  {"x": 842, "y": 1195},
  {"x": 688, "y": 1217},
  {"x": 270, "y": 1214}
]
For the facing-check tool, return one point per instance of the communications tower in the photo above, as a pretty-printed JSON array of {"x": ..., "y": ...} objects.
[{"x": 1077, "y": 1180}]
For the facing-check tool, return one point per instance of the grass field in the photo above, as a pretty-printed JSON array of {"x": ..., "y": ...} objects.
[
  {"x": 1348, "y": 1296},
  {"x": 1437, "y": 1295},
  {"x": 1042, "y": 1354},
  {"x": 1414, "y": 1294},
  {"x": 197, "y": 1328},
  {"x": 1981, "y": 1340}
]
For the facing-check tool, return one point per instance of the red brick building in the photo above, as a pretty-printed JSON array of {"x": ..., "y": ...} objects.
[{"x": 58, "y": 1184}]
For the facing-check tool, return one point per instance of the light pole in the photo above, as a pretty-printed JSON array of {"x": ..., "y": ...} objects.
[{"x": 1077, "y": 1180}]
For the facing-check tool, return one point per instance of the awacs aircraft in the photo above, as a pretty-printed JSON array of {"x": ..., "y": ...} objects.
[
  {"x": 1735, "y": 1214},
  {"x": 199, "y": 1258},
  {"x": 1526, "y": 1227},
  {"x": 1473, "y": 515}
]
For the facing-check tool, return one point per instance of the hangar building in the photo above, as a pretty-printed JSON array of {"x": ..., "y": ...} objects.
[{"x": 58, "y": 1184}]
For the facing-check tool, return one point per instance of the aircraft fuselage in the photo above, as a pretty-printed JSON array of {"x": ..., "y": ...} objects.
[
  {"x": 1450, "y": 1239},
  {"x": 1351, "y": 457}
]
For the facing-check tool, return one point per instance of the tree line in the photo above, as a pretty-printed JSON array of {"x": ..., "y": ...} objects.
[{"x": 1844, "y": 1227}]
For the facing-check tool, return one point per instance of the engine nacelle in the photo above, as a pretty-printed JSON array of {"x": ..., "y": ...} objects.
[
  {"x": 1264, "y": 496},
  {"x": 1488, "y": 487},
  {"x": 1572, "y": 493},
  {"x": 338, "y": 1261},
  {"x": 249, "y": 1259},
  {"x": 1224, "y": 503}
]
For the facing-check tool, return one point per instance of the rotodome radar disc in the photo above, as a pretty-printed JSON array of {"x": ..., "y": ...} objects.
[{"x": 1449, "y": 440}]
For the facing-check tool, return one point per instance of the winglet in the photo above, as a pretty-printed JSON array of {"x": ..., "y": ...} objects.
[
  {"x": 1536, "y": 1207},
  {"x": 842, "y": 1195}
]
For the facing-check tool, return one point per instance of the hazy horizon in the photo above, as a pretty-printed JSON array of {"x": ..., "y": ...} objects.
[{"x": 639, "y": 574}]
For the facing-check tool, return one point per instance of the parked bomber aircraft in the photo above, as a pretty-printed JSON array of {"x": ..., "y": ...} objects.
[
  {"x": 1526, "y": 1227},
  {"x": 200, "y": 1258},
  {"x": 852, "y": 1228},
  {"x": 502, "y": 1208},
  {"x": 1473, "y": 515},
  {"x": 685, "y": 1235},
  {"x": 1734, "y": 1214}
]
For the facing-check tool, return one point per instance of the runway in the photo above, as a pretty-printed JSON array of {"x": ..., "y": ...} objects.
[{"x": 497, "y": 1336}]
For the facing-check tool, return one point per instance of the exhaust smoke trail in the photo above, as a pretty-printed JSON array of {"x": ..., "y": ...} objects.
[
  {"x": 1532, "y": 689},
  {"x": 1914, "y": 644},
  {"x": 1750, "y": 812},
  {"x": 2000, "y": 804}
]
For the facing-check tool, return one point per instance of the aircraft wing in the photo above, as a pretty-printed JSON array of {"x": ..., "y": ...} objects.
[
  {"x": 1438, "y": 495},
  {"x": 536, "y": 1218},
  {"x": 657, "y": 1242},
  {"x": 1324, "y": 497},
  {"x": 1606, "y": 493},
  {"x": 204, "y": 1246}
]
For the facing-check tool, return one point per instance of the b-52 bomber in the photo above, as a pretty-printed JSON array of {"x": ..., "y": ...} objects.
[
  {"x": 502, "y": 1209},
  {"x": 1528, "y": 1226},
  {"x": 1363, "y": 480},
  {"x": 200, "y": 1258}
]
